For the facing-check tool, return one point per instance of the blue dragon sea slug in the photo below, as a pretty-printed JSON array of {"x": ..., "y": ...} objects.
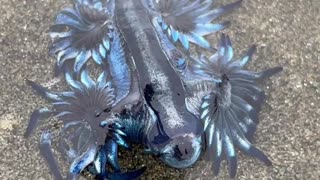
[{"x": 152, "y": 90}]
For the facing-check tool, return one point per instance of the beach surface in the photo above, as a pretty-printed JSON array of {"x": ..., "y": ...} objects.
[{"x": 287, "y": 34}]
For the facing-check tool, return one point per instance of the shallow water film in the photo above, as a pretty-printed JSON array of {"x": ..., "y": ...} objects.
[{"x": 285, "y": 34}]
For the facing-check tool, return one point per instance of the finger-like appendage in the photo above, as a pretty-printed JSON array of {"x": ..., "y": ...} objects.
[
  {"x": 47, "y": 154},
  {"x": 120, "y": 141},
  {"x": 112, "y": 154},
  {"x": 36, "y": 116},
  {"x": 119, "y": 68},
  {"x": 222, "y": 63},
  {"x": 226, "y": 119},
  {"x": 229, "y": 50},
  {"x": 81, "y": 60},
  {"x": 100, "y": 163},
  {"x": 246, "y": 124},
  {"x": 86, "y": 79},
  {"x": 72, "y": 82},
  {"x": 252, "y": 77},
  {"x": 230, "y": 112},
  {"x": 255, "y": 100},
  {"x": 269, "y": 72},
  {"x": 248, "y": 56},
  {"x": 188, "y": 21},
  {"x": 252, "y": 89},
  {"x": 255, "y": 152},
  {"x": 228, "y": 146},
  {"x": 44, "y": 92},
  {"x": 83, "y": 160},
  {"x": 66, "y": 56},
  {"x": 243, "y": 144},
  {"x": 239, "y": 102},
  {"x": 217, "y": 147},
  {"x": 82, "y": 32}
]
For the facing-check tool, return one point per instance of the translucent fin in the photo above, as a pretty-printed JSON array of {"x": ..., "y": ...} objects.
[
  {"x": 243, "y": 144},
  {"x": 80, "y": 31},
  {"x": 118, "y": 67},
  {"x": 112, "y": 154},
  {"x": 83, "y": 160},
  {"x": 189, "y": 21},
  {"x": 226, "y": 119},
  {"x": 47, "y": 154},
  {"x": 86, "y": 79},
  {"x": 37, "y": 116},
  {"x": 81, "y": 60},
  {"x": 222, "y": 63},
  {"x": 44, "y": 92}
]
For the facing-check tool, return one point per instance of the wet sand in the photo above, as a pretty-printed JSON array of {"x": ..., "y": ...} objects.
[{"x": 287, "y": 34}]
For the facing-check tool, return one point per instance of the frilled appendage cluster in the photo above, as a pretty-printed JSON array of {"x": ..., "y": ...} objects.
[
  {"x": 81, "y": 33},
  {"x": 189, "y": 21},
  {"x": 230, "y": 112},
  {"x": 108, "y": 154},
  {"x": 87, "y": 101},
  {"x": 89, "y": 133}
]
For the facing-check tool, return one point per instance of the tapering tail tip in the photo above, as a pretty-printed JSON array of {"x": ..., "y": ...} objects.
[{"x": 270, "y": 72}]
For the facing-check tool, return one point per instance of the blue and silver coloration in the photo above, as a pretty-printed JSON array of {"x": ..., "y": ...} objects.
[
  {"x": 87, "y": 100},
  {"x": 229, "y": 112},
  {"x": 152, "y": 91},
  {"x": 162, "y": 90},
  {"x": 89, "y": 133},
  {"x": 81, "y": 33},
  {"x": 107, "y": 154},
  {"x": 189, "y": 21}
]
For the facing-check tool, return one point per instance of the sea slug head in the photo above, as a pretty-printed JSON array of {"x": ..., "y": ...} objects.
[{"x": 182, "y": 151}]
